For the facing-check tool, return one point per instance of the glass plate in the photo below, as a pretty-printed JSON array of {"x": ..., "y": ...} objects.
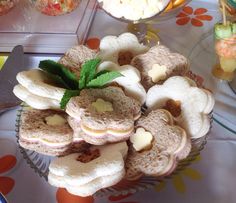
[
  {"x": 40, "y": 163},
  {"x": 203, "y": 58}
]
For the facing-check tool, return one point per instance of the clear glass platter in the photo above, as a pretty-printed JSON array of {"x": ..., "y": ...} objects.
[
  {"x": 203, "y": 58},
  {"x": 40, "y": 163}
]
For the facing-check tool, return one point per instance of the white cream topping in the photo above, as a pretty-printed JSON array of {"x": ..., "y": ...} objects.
[{"x": 133, "y": 10}]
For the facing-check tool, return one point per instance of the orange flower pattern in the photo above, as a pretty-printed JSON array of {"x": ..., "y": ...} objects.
[
  {"x": 196, "y": 17},
  {"x": 6, "y": 183},
  {"x": 65, "y": 197}
]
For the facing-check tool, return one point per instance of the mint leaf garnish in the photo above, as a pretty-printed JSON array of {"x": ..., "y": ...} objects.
[
  {"x": 58, "y": 81},
  {"x": 88, "y": 72},
  {"x": 89, "y": 78},
  {"x": 66, "y": 97},
  {"x": 66, "y": 75},
  {"x": 102, "y": 72},
  {"x": 82, "y": 82},
  {"x": 103, "y": 79}
]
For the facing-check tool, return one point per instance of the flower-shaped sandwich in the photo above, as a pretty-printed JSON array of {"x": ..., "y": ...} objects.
[
  {"x": 104, "y": 115},
  {"x": 156, "y": 146},
  {"x": 121, "y": 49},
  {"x": 158, "y": 64},
  {"x": 189, "y": 104},
  {"x": 76, "y": 56},
  {"x": 130, "y": 79},
  {"x": 38, "y": 90},
  {"x": 48, "y": 132},
  {"x": 85, "y": 173}
]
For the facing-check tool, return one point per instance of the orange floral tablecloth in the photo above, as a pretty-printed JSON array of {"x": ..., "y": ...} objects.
[{"x": 209, "y": 179}]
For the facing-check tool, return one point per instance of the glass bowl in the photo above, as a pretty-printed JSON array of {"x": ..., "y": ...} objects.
[
  {"x": 40, "y": 163},
  {"x": 7, "y": 5},
  {"x": 55, "y": 7},
  {"x": 164, "y": 14},
  {"x": 140, "y": 27},
  {"x": 136, "y": 21}
]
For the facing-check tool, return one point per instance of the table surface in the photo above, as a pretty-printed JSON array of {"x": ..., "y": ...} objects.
[{"x": 209, "y": 179}]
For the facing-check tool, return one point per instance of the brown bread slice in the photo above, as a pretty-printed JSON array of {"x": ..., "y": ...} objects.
[
  {"x": 35, "y": 134},
  {"x": 170, "y": 144},
  {"x": 95, "y": 140},
  {"x": 109, "y": 124},
  {"x": 76, "y": 56},
  {"x": 175, "y": 63}
]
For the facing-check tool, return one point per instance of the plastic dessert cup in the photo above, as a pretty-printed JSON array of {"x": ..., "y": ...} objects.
[
  {"x": 226, "y": 52},
  {"x": 7, "y": 5},
  {"x": 55, "y": 7}
]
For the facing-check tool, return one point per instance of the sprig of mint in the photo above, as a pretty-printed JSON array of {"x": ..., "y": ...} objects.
[
  {"x": 103, "y": 79},
  {"x": 89, "y": 78},
  {"x": 58, "y": 81},
  {"x": 88, "y": 72},
  {"x": 67, "y": 96},
  {"x": 70, "y": 79},
  {"x": 102, "y": 72}
]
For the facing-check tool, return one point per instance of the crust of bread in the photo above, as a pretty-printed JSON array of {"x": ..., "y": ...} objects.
[{"x": 96, "y": 139}]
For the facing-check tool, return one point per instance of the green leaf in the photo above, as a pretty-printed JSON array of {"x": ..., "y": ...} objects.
[
  {"x": 82, "y": 82},
  {"x": 58, "y": 81},
  {"x": 104, "y": 79},
  {"x": 102, "y": 72},
  {"x": 88, "y": 72},
  {"x": 58, "y": 69},
  {"x": 66, "y": 97}
]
